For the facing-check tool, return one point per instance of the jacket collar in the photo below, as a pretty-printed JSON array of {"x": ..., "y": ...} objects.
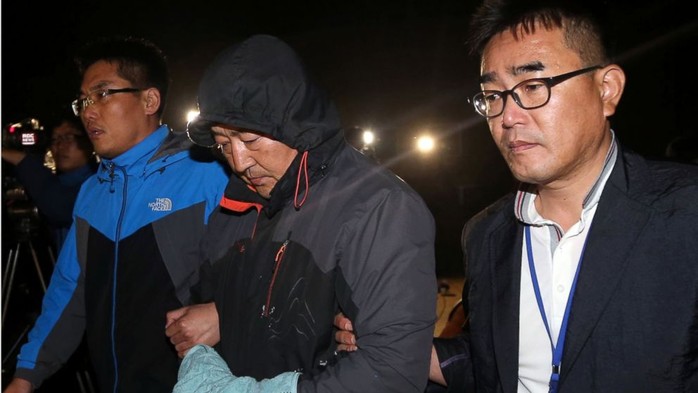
[
  {"x": 602, "y": 266},
  {"x": 153, "y": 153},
  {"x": 320, "y": 161}
]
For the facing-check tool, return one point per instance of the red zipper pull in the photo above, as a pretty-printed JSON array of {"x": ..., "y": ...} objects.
[{"x": 278, "y": 258}]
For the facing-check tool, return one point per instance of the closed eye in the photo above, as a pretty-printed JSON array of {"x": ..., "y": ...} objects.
[{"x": 250, "y": 140}]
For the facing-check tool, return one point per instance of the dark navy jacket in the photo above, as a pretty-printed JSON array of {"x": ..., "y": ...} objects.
[{"x": 633, "y": 325}]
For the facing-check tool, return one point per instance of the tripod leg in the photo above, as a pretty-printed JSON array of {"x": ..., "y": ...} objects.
[
  {"x": 51, "y": 256},
  {"x": 37, "y": 266},
  {"x": 79, "y": 378},
  {"x": 84, "y": 381},
  {"x": 12, "y": 263},
  {"x": 7, "y": 268}
]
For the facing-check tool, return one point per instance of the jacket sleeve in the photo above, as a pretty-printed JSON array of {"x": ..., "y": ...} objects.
[
  {"x": 387, "y": 287},
  {"x": 455, "y": 362},
  {"x": 59, "y": 328},
  {"x": 455, "y": 357},
  {"x": 210, "y": 246},
  {"x": 54, "y": 199}
]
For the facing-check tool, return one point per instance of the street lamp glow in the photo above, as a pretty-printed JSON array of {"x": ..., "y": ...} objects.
[
  {"x": 425, "y": 143},
  {"x": 191, "y": 115},
  {"x": 368, "y": 137}
]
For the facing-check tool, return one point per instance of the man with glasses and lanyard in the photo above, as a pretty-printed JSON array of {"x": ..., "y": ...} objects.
[
  {"x": 586, "y": 278},
  {"x": 131, "y": 254}
]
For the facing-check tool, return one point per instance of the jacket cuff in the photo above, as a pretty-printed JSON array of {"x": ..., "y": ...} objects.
[{"x": 456, "y": 363}]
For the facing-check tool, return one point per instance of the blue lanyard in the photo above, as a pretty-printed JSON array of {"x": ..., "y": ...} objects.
[{"x": 557, "y": 348}]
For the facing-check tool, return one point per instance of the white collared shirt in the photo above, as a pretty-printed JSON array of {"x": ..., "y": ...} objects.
[{"x": 556, "y": 257}]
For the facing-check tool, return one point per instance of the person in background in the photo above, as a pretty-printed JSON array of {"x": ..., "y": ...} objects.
[
  {"x": 310, "y": 227},
  {"x": 683, "y": 148},
  {"x": 54, "y": 192},
  {"x": 586, "y": 278},
  {"x": 131, "y": 253}
]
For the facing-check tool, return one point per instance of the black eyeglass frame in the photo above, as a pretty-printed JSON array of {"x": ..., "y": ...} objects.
[
  {"x": 549, "y": 82},
  {"x": 79, "y": 104}
]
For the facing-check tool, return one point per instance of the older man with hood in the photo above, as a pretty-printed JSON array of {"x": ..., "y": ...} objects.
[{"x": 311, "y": 227}]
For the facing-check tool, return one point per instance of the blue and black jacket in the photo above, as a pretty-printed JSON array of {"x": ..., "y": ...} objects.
[{"x": 131, "y": 255}]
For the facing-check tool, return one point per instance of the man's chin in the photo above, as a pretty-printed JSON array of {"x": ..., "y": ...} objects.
[{"x": 264, "y": 193}]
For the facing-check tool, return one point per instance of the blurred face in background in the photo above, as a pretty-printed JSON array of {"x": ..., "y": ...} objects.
[{"x": 68, "y": 147}]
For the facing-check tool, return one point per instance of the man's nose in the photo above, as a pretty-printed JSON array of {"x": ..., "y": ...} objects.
[{"x": 241, "y": 158}]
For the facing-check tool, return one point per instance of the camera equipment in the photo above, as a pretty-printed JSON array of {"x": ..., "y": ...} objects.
[
  {"x": 27, "y": 258},
  {"x": 30, "y": 258},
  {"x": 23, "y": 216},
  {"x": 26, "y": 135},
  {"x": 20, "y": 210}
]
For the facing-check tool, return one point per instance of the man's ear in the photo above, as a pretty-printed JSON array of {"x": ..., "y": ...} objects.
[
  {"x": 152, "y": 100},
  {"x": 612, "y": 79}
]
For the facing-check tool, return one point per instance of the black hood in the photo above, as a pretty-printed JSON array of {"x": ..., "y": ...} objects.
[{"x": 261, "y": 84}]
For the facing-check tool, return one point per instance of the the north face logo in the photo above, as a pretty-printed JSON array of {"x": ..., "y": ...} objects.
[{"x": 161, "y": 205}]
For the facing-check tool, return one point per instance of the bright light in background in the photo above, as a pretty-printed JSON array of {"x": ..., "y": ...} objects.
[
  {"x": 425, "y": 143},
  {"x": 368, "y": 137},
  {"x": 191, "y": 115}
]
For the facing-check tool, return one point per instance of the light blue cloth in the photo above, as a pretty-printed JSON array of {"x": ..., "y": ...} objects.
[{"x": 204, "y": 371}]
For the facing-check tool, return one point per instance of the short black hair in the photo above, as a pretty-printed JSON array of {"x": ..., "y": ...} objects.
[
  {"x": 139, "y": 61},
  {"x": 583, "y": 23}
]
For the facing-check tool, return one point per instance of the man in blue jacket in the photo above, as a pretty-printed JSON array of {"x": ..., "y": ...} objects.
[{"x": 132, "y": 251}]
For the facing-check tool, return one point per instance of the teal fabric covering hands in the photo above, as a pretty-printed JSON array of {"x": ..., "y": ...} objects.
[{"x": 204, "y": 371}]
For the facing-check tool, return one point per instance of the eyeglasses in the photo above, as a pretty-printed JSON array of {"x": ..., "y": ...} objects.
[
  {"x": 97, "y": 97},
  {"x": 67, "y": 138},
  {"x": 529, "y": 94}
]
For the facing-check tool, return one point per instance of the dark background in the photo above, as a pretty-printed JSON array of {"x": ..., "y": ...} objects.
[{"x": 397, "y": 67}]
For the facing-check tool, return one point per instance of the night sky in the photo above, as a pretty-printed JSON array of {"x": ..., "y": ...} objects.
[{"x": 398, "y": 67}]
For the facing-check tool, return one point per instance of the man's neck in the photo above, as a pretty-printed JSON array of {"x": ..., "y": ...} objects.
[
  {"x": 562, "y": 206},
  {"x": 562, "y": 201}
]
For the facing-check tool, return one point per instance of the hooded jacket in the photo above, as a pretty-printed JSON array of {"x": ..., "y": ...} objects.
[
  {"x": 131, "y": 255},
  {"x": 338, "y": 233}
]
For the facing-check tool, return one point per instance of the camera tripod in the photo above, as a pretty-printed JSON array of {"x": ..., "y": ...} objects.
[
  {"x": 11, "y": 268},
  {"x": 25, "y": 242}
]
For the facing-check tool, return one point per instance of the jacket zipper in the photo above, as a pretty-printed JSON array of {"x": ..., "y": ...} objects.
[
  {"x": 277, "y": 259},
  {"x": 117, "y": 240}
]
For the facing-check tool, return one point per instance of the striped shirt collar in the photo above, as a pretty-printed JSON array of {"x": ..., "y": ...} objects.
[{"x": 526, "y": 195}]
